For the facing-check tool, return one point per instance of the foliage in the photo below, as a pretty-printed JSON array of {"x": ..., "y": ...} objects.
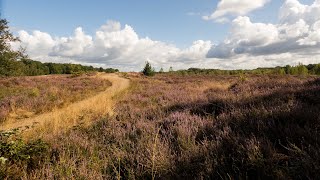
[
  {"x": 28, "y": 67},
  {"x": 8, "y": 57},
  {"x": 148, "y": 70},
  {"x": 17, "y": 155},
  {"x": 315, "y": 69},
  {"x": 161, "y": 70},
  {"x": 300, "y": 69},
  {"x": 170, "y": 69}
]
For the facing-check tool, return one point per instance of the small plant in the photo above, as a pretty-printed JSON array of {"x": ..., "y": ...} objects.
[
  {"x": 35, "y": 92},
  {"x": 77, "y": 74},
  {"x": 243, "y": 78}
]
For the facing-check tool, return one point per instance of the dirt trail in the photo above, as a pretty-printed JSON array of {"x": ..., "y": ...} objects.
[{"x": 80, "y": 112}]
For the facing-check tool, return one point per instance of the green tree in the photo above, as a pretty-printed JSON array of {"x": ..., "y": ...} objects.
[
  {"x": 287, "y": 69},
  {"x": 161, "y": 70},
  {"x": 282, "y": 71},
  {"x": 302, "y": 70},
  {"x": 9, "y": 66},
  {"x": 316, "y": 69},
  {"x": 148, "y": 70},
  {"x": 170, "y": 69}
]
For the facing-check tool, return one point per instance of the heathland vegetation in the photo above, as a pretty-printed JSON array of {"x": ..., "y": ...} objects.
[
  {"x": 22, "y": 97},
  {"x": 190, "y": 127},
  {"x": 185, "y": 124}
]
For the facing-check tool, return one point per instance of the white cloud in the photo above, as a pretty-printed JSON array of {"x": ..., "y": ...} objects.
[
  {"x": 295, "y": 38},
  {"x": 297, "y": 34},
  {"x": 37, "y": 43},
  {"x": 112, "y": 45},
  {"x": 235, "y": 8},
  {"x": 72, "y": 46}
]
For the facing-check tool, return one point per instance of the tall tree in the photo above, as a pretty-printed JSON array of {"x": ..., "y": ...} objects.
[{"x": 8, "y": 57}]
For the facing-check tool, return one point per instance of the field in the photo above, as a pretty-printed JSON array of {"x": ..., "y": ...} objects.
[
  {"x": 23, "y": 97},
  {"x": 188, "y": 127}
]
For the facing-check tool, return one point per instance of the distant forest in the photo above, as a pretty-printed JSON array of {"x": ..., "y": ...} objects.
[
  {"x": 27, "y": 67},
  {"x": 311, "y": 69}
]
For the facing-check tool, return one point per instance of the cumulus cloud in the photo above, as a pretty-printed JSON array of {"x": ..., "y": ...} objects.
[
  {"x": 235, "y": 8},
  {"x": 37, "y": 43},
  {"x": 111, "y": 45},
  {"x": 295, "y": 38},
  {"x": 72, "y": 46},
  {"x": 297, "y": 33}
]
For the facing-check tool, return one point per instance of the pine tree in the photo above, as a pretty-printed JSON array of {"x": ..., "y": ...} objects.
[{"x": 148, "y": 70}]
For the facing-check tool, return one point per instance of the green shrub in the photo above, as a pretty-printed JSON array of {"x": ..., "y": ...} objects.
[
  {"x": 35, "y": 92},
  {"x": 16, "y": 154}
]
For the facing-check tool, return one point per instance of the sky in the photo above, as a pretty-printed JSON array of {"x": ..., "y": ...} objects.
[{"x": 124, "y": 34}]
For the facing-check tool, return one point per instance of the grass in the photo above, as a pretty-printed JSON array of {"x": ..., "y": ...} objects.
[
  {"x": 196, "y": 127},
  {"x": 83, "y": 112},
  {"x": 23, "y": 97}
]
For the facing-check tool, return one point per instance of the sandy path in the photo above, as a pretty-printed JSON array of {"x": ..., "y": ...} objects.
[{"x": 80, "y": 112}]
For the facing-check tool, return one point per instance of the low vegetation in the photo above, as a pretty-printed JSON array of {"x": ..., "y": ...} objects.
[
  {"x": 22, "y": 97},
  {"x": 196, "y": 127}
]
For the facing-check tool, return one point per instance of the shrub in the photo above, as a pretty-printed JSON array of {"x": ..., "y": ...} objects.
[
  {"x": 16, "y": 154},
  {"x": 35, "y": 92}
]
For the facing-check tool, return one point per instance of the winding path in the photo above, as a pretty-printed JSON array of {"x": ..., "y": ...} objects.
[{"x": 82, "y": 112}]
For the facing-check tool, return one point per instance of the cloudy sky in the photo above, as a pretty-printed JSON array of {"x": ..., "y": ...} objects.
[{"x": 124, "y": 34}]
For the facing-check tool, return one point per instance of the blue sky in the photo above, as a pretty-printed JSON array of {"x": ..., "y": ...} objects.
[
  {"x": 175, "y": 27},
  {"x": 166, "y": 20}
]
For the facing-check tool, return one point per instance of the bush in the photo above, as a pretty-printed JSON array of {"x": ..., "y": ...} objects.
[{"x": 16, "y": 154}]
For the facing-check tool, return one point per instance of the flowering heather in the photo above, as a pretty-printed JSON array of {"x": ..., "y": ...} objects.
[
  {"x": 22, "y": 97},
  {"x": 197, "y": 127}
]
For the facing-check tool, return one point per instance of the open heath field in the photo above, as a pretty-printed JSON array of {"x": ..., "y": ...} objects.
[
  {"x": 190, "y": 127},
  {"x": 23, "y": 97}
]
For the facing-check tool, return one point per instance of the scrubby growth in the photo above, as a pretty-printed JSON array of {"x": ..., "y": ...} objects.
[
  {"x": 22, "y": 97},
  {"x": 18, "y": 157},
  {"x": 198, "y": 127}
]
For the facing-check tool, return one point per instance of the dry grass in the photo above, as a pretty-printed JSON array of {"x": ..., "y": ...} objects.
[
  {"x": 23, "y": 97},
  {"x": 82, "y": 112}
]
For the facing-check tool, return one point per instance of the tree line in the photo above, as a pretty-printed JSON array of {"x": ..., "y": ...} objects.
[
  {"x": 28, "y": 67},
  {"x": 300, "y": 69}
]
